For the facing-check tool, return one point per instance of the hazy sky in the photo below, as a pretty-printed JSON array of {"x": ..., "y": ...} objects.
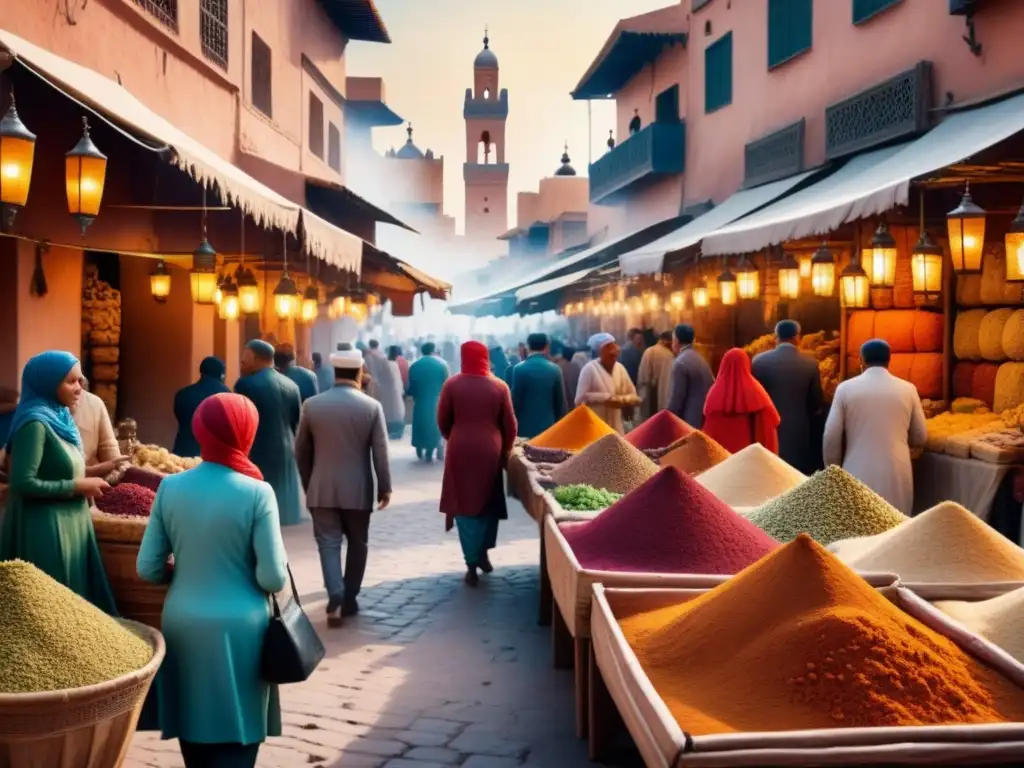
[{"x": 543, "y": 48}]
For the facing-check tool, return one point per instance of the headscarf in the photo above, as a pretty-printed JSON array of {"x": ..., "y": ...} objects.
[
  {"x": 599, "y": 340},
  {"x": 213, "y": 368},
  {"x": 40, "y": 380},
  {"x": 736, "y": 390},
  {"x": 475, "y": 359},
  {"x": 225, "y": 427}
]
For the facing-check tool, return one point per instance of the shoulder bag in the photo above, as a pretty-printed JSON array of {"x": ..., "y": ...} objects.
[{"x": 291, "y": 646}]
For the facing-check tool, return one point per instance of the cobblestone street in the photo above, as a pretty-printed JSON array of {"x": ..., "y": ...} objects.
[{"x": 430, "y": 673}]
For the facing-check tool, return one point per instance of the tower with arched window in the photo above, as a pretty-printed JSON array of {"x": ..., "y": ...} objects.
[{"x": 485, "y": 171}]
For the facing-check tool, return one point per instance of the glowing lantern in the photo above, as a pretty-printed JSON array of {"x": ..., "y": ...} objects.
[
  {"x": 789, "y": 278},
  {"x": 677, "y": 300},
  {"x": 854, "y": 287},
  {"x": 286, "y": 298},
  {"x": 17, "y": 153},
  {"x": 748, "y": 280},
  {"x": 1015, "y": 249},
  {"x": 358, "y": 307},
  {"x": 926, "y": 267},
  {"x": 248, "y": 291},
  {"x": 805, "y": 266},
  {"x": 966, "y": 226},
  {"x": 160, "y": 282},
  {"x": 823, "y": 272},
  {"x": 229, "y": 308},
  {"x": 727, "y": 288},
  {"x": 882, "y": 259},
  {"x": 310, "y": 304},
  {"x": 85, "y": 173},
  {"x": 218, "y": 294},
  {"x": 701, "y": 300},
  {"x": 653, "y": 302},
  {"x": 204, "y": 273}
]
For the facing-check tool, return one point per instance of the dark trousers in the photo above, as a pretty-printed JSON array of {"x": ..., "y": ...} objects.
[
  {"x": 218, "y": 755},
  {"x": 330, "y": 527}
]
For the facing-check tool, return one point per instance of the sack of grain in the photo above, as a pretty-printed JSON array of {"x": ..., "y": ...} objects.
[
  {"x": 106, "y": 373},
  {"x": 105, "y": 355},
  {"x": 105, "y": 338}
]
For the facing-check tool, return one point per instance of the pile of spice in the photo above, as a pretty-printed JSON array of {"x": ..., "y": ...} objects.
[
  {"x": 584, "y": 498},
  {"x": 830, "y": 505},
  {"x": 611, "y": 464},
  {"x": 694, "y": 454},
  {"x": 127, "y": 500},
  {"x": 798, "y": 641},
  {"x": 52, "y": 639},
  {"x": 751, "y": 477},
  {"x": 574, "y": 431},
  {"x": 999, "y": 620},
  {"x": 670, "y": 524},
  {"x": 947, "y": 544},
  {"x": 660, "y": 431}
]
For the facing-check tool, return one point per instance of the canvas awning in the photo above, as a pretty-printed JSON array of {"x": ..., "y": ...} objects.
[
  {"x": 554, "y": 284},
  {"x": 650, "y": 259},
  {"x": 870, "y": 184},
  {"x": 115, "y": 103}
]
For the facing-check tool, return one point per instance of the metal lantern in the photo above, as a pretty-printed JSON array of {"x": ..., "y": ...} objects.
[
  {"x": 789, "y": 277},
  {"x": 310, "y": 304},
  {"x": 17, "y": 153},
  {"x": 677, "y": 300},
  {"x": 204, "y": 273},
  {"x": 966, "y": 227},
  {"x": 701, "y": 300},
  {"x": 286, "y": 298},
  {"x": 748, "y": 280},
  {"x": 248, "y": 291},
  {"x": 805, "y": 266},
  {"x": 926, "y": 266},
  {"x": 823, "y": 271},
  {"x": 85, "y": 173},
  {"x": 160, "y": 282},
  {"x": 358, "y": 306},
  {"x": 1015, "y": 248},
  {"x": 229, "y": 307},
  {"x": 727, "y": 287},
  {"x": 881, "y": 258},
  {"x": 854, "y": 287},
  {"x": 218, "y": 294}
]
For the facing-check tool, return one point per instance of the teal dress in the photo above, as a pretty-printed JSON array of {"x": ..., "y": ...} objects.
[
  {"x": 186, "y": 401},
  {"x": 538, "y": 395},
  {"x": 222, "y": 528},
  {"x": 46, "y": 524},
  {"x": 279, "y": 404},
  {"x": 304, "y": 379},
  {"x": 426, "y": 378}
]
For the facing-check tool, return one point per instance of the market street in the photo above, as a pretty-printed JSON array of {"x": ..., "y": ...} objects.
[{"x": 430, "y": 673}]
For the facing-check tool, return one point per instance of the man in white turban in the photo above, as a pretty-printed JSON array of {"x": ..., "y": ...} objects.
[{"x": 604, "y": 383}]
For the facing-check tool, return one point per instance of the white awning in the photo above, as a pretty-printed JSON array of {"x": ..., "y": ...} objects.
[
  {"x": 870, "y": 184},
  {"x": 650, "y": 259},
  {"x": 554, "y": 284}
]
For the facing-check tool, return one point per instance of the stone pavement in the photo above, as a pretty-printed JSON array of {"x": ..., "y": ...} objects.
[{"x": 431, "y": 673}]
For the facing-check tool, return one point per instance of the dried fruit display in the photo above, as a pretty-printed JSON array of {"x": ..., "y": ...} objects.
[
  {"x": 127, "y": 500},
  {"x": 160, "y": 459}
]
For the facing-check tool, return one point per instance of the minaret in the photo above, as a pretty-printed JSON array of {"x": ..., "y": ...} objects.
[{"x": 485, "y": 171}]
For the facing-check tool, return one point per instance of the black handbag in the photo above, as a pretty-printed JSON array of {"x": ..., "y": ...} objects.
[{"x": 291, "y": 646}]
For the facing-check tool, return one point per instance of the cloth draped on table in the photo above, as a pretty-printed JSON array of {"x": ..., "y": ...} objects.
[
  {"x": 426, "y": 379},
  {"x": 738, "y": 411},
  {"x": 188, "y": 399}
]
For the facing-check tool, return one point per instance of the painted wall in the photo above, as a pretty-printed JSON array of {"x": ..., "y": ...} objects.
[
  {"x": 527, "y": 204},
  {"x": 562, "y": 194}
]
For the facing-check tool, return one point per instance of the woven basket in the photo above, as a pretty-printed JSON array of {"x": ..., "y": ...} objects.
[
  {"x": 119, "y": 539},
  {"x": 88, "y": 727}
]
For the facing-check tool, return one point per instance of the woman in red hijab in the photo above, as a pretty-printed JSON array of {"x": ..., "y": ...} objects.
[
  {"x": 476, "y": 419},
  {"x": 219, "y": 521},
  {"x": 738, "y": 411}
]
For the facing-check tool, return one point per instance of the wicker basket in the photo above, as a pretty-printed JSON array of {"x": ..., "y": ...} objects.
[
  {"x": 88, "y": 727},
  {"x": 119, "y": 539}
]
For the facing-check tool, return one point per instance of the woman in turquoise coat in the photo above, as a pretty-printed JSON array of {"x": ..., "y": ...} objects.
[
  {"x": 47, "y": 522},
  {"x": 426, "y": 378},
  {"x": 220, "y": 523}
]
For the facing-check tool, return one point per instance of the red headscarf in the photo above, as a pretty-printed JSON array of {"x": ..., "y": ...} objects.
[
  {"x": 225, "y": 426},
  {"x": 736, "y": 396},
  {"x": 476, "y": 360}
]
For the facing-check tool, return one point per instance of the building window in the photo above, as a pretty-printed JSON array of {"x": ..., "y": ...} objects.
[
  {"x": 213, "y": 30},
  {"x": 696, "y": 5},
  {"x": 790, "y": 25},
  {"x": 718, "y": 74},
  {"x": 868, "y": 9},
  {"x": 316, "y": 126},
  {"x": 334, "y": 147},
  {"x": 487, "y": 210},
  {"x": 262, "y": 93},
  {"x": 164, "y": 11}
]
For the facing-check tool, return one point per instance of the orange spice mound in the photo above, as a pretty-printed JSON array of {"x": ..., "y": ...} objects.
[
  {"x": 694, "y": 454},
  {"x": 574, "y": 431},
  {"x": 798, "y": 641}
]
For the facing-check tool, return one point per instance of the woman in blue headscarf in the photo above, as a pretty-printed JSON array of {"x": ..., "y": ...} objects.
[
  {"x": 188, "y": 399},
  {"x": 47, "y": 521}
]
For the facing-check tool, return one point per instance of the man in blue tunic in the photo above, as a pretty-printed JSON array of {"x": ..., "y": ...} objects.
[
  {"x": 188, "y": 399},
  {"x": 324, "y": 376},
  {"x": 284, "y": 361},
  {"x": 279, "y": 404},
  {"x": 426, "y": 377},
  {"x": 538, "y": 389}
]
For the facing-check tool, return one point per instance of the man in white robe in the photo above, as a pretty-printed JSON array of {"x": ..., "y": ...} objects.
[
  {"x": 875, "y": 421},
  {"x": 604, "y": 383}
]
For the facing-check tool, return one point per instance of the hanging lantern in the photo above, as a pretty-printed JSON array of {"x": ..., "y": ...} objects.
[
  {"x": 160, "y": 282},
  {"x": 85, "y": 172},
  {"x": 1015, "y": 249},
  {"x": 748, "y": 280},
  {"x": 620, "y": 292},
  {"x": 854, "y": 287},
  {"x": 677, "y": 300},
  {"x": 204, "y": 273},
  {"x": 337, "y": 300},
  {"x": 636, "y": 305},
  {"x": 926, "y": 267},
  {"x": 229, "y": 308},
  {"x": 823, "y": 272},
  {"x": 17, "y": 152},
  {"x": 248, "y": 291},
  {"x": 653, "y": 302},
  {"x": 358, "y": 308},
  {"x": 966, "y": 227},
  {"x": 805, "y": 266},
  {"x": 727, "y": 288},
  {"x": 218, "y": 294},
  {"x": 310, "y": 304},
  {"x": 286, "y": 298},
  {"x": 701, "y": 300},
  {"x": 580, "y": 307},
  {"x": 881, "y": 259},
  {"x": 789, "y": 277}
]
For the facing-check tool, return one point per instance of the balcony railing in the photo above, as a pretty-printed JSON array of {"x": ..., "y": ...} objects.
[{"x": 654, "y": 152}]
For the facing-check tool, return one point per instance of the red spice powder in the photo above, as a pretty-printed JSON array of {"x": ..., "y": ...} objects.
[
  {"x": 659, "y": 431},
  {"x": 670, "y": 524},
  {"x": 127, "y": 500}
]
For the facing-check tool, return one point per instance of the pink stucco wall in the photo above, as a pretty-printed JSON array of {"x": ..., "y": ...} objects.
[{"x": 562, "y": 194}]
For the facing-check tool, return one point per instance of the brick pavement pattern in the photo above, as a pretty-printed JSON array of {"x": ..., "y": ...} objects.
[{"x": 430, "y": 673}]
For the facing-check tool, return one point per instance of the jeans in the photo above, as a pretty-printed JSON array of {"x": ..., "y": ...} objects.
[
  {"x": 218, "y": 755},
  {"x": 330, "y": 527}
]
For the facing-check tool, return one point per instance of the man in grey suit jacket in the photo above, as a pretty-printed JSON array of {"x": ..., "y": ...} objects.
[
  {"x": 691, "y": 379},
  {"x": 791, "y": 379},
  {"x": 341, "y": 444}
]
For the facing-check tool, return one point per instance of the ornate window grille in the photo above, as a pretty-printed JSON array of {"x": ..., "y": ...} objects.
[
  {"x": 213, "y": 30},
  {"x": 164, "y": 11},
  {"x": 262, "y": 91}
]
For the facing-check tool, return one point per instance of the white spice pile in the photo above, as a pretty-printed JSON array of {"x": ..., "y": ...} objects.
[
  {"x": 945, "y": 545},
  {"x": 751, "y": 477},
  {"x": 611, "y": 463},
  {"x": 999, "y": 620}
]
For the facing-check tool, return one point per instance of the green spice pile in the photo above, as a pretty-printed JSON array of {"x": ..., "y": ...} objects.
[
  {"x": 584, "y": 498},
  {"x": 52, "y": 639},
  {"x": 830, "y": 505}
]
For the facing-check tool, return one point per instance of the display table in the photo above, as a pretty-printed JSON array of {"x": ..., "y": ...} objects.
[{"x": 523, "y": 486}]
